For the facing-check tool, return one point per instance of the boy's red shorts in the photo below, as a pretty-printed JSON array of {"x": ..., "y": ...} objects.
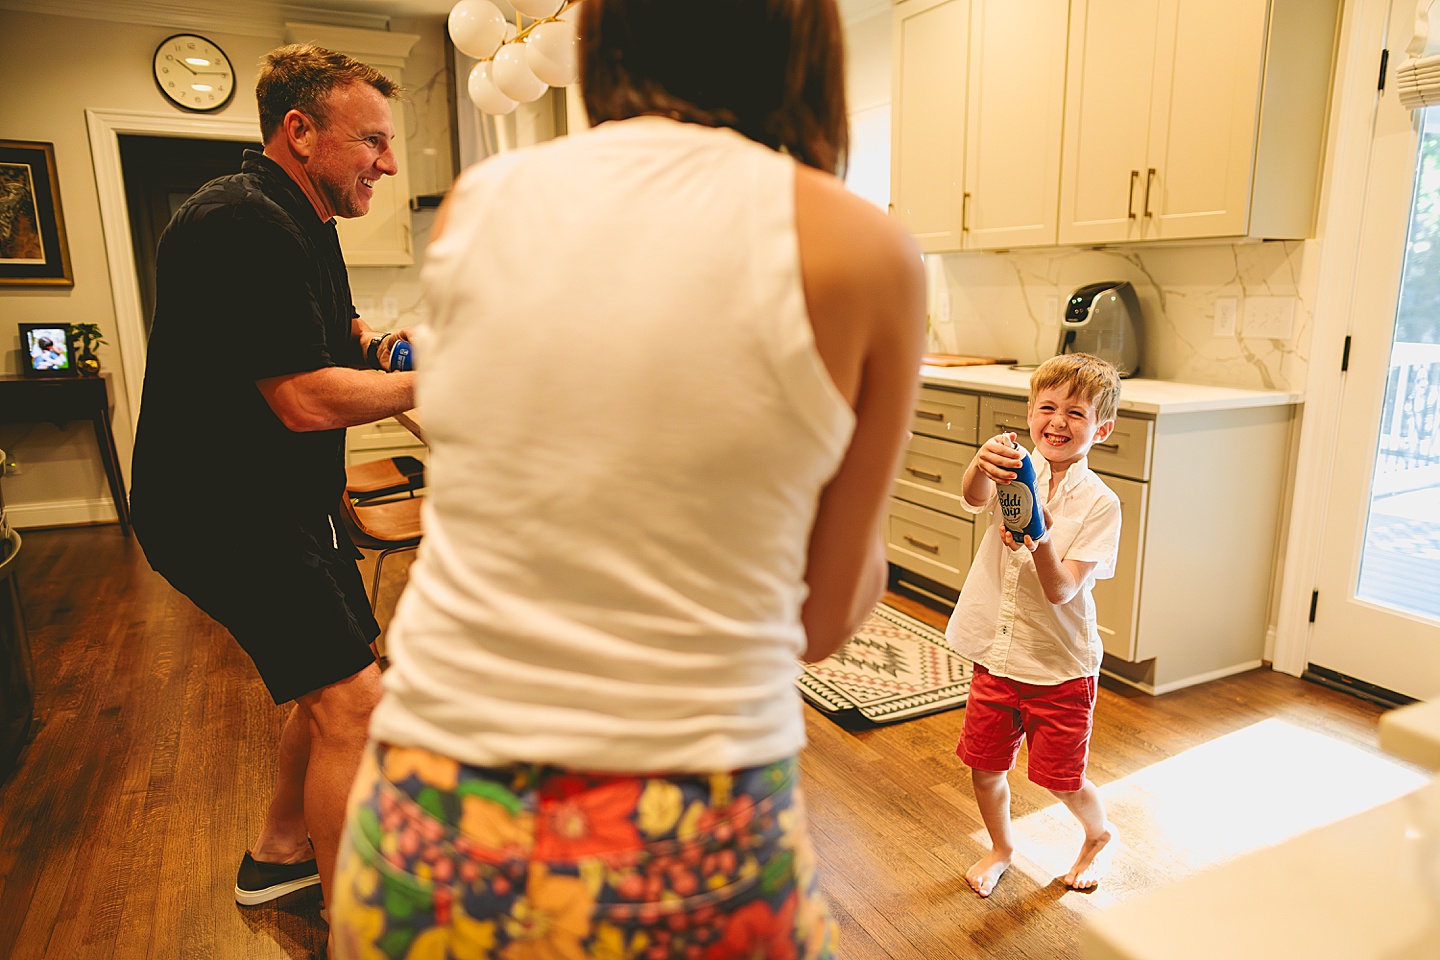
[{"x": 1055, "y": 719}]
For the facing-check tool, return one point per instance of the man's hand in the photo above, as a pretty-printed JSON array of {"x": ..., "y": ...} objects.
[{"x": 388, "y": 345}]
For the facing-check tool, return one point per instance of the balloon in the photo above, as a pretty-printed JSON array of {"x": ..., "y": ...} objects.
[
  {"x": 477, "y": 28},
  {"x": 536, "y": 9},
  {"x": 514, "y": 77},
  {"x": 554, "y": 53},
  {"x": 483, "y": 92}
]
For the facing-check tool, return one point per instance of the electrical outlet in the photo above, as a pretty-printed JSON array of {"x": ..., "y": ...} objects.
[
  {"x": 1052, "y": 311},
  {"x": 1226, "y": 311},
  {"x": 390, "y": 307},
  {"x": 1269, "y": 318}
]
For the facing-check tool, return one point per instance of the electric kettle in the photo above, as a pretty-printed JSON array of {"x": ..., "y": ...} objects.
[{"x": 1103, "y": 319}]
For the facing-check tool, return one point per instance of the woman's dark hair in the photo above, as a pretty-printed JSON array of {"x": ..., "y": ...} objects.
[
  {"x": 772, "y": 69},
  {"x": 300, "y": 77}
]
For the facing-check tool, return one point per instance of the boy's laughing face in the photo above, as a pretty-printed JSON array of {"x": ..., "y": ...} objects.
[{"x": 1063, "y": 426}]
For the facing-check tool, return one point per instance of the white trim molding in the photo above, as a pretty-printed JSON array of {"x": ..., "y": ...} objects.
[
  {"x": 105, "y": 127},
  {"x": 61, "y": 513},
  {"x": 1352, "y": 113}
]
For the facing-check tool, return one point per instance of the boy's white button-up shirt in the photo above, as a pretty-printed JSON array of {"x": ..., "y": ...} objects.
[{"x": 1003, "y": 620}]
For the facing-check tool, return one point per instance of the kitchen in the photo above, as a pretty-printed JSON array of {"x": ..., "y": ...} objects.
[{"x": 997, "y": 304}]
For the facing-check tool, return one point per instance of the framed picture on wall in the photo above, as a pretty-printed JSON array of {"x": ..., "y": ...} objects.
[
  {"x": 45, "y": 350},
  {"x": 33, "y": 250}
]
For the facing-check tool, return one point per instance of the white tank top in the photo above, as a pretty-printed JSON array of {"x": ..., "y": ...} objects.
[{"x": 630, "y": 428}]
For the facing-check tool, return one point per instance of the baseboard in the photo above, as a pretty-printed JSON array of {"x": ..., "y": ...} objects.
[
  {"x": 60, "y": 513},
  {"x": 1198, "y": 678}
]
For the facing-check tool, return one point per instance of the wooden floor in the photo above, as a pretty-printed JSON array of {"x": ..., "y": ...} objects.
[{"x": 153, "y": 753}]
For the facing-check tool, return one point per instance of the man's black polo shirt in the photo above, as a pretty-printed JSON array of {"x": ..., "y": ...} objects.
[{"x": 250, "y": 284}]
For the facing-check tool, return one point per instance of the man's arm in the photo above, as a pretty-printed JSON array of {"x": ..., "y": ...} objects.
[{"x": 334, "y": 397}]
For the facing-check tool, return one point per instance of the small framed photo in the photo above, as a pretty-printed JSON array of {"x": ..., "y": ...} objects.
[
  {"x": 45, "y": 350},
  {"x": 33, "y": 250}
]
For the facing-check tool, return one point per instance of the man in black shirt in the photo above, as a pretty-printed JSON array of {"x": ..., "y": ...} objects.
[{"x": 252, "y": 375}]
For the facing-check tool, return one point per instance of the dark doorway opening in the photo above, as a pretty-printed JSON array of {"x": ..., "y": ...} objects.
[{"x": 161, "y": 173}]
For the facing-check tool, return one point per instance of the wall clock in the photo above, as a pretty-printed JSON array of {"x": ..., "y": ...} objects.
[{"x": 194, "y": 73}]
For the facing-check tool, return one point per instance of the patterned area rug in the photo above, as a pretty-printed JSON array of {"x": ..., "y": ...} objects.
[{"x": 895, "y": 668}]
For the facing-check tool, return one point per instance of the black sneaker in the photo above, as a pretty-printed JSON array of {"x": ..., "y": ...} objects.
[{"x": 259, "y": 882}]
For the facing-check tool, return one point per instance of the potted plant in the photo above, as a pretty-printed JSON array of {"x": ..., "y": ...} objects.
[{"x": 87, "y": 337}]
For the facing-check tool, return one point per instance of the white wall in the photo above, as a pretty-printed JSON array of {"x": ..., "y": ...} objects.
[
  {"x": 1009, "y": 304},
  {"x": 107, "y": 67}
]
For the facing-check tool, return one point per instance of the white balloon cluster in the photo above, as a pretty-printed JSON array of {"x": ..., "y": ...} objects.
[{"x": 516, "y": 65}]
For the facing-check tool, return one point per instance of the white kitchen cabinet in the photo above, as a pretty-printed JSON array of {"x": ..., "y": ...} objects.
[
  {"x": 1191, "y": 119},
  {"x": 927, "y": 120},
  {"x": 1199, "y": 472},
  {"x": 383, "y": 237},
  {"x": 976, "y": 111},
  {"x": 384, "y": 438}
]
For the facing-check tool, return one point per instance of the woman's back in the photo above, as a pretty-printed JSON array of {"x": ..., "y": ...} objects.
[{"x": 615, "y": 552}]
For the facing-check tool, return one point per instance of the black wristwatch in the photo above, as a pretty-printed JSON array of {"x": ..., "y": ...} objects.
[{"x": 372, "y": 352}]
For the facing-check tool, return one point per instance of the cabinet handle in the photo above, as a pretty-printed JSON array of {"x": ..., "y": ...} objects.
[
  {"x": 1130, "y": 198},
  {"x": 927, "y": 547},
  {"x": 1149, "y": 180},
  {"x": 929, "y": 415},
  {"x": 1112, "y": 446},
  {"x": 965, "y": 212},
  {"x": 924, "y": 474}
]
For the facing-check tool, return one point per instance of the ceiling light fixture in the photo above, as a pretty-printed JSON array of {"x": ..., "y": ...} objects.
[{"x": 519, "y": 61}]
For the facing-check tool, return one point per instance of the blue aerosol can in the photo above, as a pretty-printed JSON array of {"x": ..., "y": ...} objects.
[
  {"x": 401, "y": 356},
  {"x": 1021, "y": 507}
]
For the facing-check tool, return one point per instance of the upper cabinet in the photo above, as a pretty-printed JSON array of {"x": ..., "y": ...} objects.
[
  {"x": 1191, "y": 119},
  {"x": 976, "y": 115},
  {"x": 1035, "y": 122},
  {"x": 381, "y": 238}
]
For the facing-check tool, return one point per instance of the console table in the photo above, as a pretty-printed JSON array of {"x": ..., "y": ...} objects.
[{"x": 59, "y": 400}]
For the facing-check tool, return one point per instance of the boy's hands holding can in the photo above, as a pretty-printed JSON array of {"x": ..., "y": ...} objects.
[{"x": 999, "y": 459}]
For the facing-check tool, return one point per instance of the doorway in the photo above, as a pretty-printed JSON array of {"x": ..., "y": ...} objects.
[
  {"x": 161, "y": 173},
  {"x": 1377, "y": 606}
]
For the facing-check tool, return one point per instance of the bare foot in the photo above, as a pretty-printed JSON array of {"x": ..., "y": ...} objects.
[
  {"x": 1092, "y": 863},
  {"x": 984, "y": 874}
]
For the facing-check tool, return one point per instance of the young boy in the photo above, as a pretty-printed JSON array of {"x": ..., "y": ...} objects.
[{"x": 1027, "y": 620}]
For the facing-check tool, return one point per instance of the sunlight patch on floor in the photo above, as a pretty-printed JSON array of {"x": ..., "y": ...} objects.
[{"x": 1240, "y": 792}]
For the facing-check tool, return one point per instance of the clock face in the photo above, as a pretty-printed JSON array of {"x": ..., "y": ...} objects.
[{"x": 194, "y": 73}]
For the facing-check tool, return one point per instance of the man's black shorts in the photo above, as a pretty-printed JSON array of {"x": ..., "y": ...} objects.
[{"x": 293, "y": 598}]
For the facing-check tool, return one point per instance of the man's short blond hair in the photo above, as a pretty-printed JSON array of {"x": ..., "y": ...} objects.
[
  {"x": 301, "y": 76},
  {"x": 1082, "y": 375}
]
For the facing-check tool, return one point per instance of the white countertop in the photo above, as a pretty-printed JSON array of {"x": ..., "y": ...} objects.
[
  {"x": 1136, "y": 396},
  {"x": 1413, "y": 733},
  {"x": 1352, "y": 890}
]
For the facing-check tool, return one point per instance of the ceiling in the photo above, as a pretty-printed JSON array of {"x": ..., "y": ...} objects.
[{"x": 237, "y": 14}]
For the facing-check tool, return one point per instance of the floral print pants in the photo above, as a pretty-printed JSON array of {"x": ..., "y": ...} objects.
[{"x": 444, "y": 861}]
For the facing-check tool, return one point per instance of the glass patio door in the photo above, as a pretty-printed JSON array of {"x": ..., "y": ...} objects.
[{"x": 1378, "y": 610}]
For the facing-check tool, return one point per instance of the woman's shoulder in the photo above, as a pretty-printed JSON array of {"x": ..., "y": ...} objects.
[{"x": 861, "y": 240}]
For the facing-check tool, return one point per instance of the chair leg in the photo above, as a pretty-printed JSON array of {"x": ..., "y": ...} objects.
[{"x": 379, "y": 564}]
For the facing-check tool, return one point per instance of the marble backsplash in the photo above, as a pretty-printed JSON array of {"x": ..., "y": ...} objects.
[{"x": 1009, "y": 304}]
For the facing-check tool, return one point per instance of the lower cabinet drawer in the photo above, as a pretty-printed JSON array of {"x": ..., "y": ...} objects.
[
  {"x": 932, "y": 473},
  {"x": 928, "y": 542}
]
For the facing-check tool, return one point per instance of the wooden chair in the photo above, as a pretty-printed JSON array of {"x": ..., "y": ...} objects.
[
  {"x": 389, "y": 477},
  {"x": 389, "y": 526}
]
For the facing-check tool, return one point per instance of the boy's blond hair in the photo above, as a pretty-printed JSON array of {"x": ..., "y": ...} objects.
[{"x": 1081, "y": 374}]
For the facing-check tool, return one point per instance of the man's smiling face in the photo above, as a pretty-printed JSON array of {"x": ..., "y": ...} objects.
[{"x": 353, "y": 150}]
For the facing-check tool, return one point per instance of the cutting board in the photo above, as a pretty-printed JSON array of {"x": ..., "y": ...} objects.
[{"x": 960, "y": 360}]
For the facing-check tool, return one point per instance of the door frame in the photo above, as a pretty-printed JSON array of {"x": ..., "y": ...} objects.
[
  {"x": 105, "y": 128},
  {"x": 1353, "y": 108}
]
